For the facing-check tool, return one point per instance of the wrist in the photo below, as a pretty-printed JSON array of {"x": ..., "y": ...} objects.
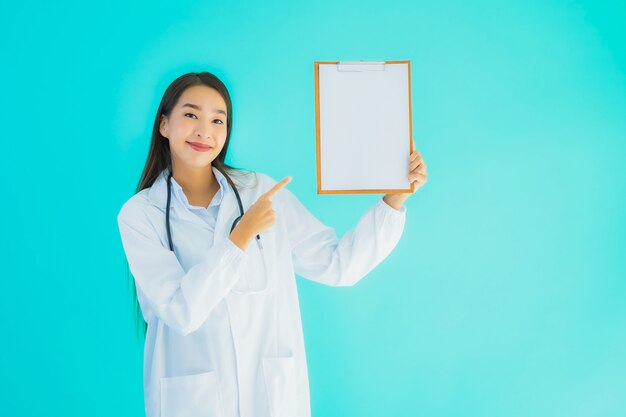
[
  {"x": 241, "y": 236},
  {"x": 395, "y": 200}
]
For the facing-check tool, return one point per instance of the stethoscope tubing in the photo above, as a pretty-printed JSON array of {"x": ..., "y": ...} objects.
[{"x": 241, "y": 211}]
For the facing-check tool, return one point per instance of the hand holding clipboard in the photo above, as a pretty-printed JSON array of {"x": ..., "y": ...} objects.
[{"x": 364, "y": 130}]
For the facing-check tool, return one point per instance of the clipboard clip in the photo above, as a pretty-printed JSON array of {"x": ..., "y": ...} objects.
[{"x": 360, "y": 66}]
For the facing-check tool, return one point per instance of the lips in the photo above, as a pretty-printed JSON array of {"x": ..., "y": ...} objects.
[{"x": 199, "y": 146}]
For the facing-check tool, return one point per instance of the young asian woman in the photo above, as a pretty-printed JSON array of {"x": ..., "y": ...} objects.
[{"x": 214, "y": 251}]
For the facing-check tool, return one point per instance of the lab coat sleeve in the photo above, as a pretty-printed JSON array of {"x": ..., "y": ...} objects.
[
  {"x": 182, "y": 299},
  {"x": 320, "y": 256}
]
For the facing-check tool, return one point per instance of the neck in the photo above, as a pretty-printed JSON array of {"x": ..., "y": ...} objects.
[{"x": 195, "y": 181}]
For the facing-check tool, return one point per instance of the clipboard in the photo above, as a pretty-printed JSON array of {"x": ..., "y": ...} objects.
[{"x": 363, "y": 126}]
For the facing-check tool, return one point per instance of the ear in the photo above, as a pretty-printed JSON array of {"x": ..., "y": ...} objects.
[{"x": 163, "y": 126}]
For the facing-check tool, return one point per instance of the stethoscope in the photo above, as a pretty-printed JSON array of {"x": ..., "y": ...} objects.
[{"x": 248, "y": 290}]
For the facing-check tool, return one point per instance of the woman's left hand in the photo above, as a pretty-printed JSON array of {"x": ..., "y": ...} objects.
[{"x": 417, "y": 173}]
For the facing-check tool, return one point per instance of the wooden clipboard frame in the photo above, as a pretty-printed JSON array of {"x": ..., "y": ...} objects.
[{"x": 317, "y": 134}]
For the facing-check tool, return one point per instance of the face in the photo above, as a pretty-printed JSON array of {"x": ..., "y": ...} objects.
[{"x": 196, "y": 127}]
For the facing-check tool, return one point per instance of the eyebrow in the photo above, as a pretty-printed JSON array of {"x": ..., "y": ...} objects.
[{"x": 195, "y": 106}]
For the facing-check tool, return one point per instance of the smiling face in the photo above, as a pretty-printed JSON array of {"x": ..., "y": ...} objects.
[{"x": 196, "y": 127}]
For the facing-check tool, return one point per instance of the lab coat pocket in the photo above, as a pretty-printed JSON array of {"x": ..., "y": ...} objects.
[
  {"x": 280, "y": 382},
  {"x": 257, "y": 276},
  {"x": 191, "y": 396}
]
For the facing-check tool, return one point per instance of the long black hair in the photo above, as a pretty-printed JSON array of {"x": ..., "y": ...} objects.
[{"x": 159, "y": 156}]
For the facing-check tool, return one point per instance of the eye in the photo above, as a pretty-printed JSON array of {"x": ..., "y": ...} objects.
[
  {"x": 219, "y": 120},
  {"x": 186, "y": 114}
]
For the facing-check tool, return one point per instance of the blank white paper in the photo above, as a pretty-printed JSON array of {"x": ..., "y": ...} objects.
[{"x": 364, "y": 126}]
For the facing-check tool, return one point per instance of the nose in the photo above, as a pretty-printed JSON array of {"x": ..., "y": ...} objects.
[{"x": 203, "y": 132}]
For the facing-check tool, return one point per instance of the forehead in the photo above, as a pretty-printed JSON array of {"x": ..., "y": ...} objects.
[{"x": 206, "y": 97}]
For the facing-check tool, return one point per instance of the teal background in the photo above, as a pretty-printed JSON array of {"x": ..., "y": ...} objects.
[{"x": 506, "y": 294}]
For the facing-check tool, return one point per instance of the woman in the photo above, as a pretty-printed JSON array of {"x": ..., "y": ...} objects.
[{"x": 224, "y": 334}]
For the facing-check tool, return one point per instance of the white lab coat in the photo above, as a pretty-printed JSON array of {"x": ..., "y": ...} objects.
[{"x": 210, "y": 351}]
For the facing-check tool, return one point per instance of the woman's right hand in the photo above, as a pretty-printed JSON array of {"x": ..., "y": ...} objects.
[{"x": 258, "y": 217}]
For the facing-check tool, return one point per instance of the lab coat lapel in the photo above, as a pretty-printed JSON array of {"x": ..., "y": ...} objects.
[{"x": 228, "y": 212}]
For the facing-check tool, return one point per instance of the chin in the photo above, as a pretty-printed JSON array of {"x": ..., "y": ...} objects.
[{"x": 197, "y": 164}]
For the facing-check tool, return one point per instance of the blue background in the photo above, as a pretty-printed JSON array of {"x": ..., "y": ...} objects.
[{"x": 505, "y": 296}]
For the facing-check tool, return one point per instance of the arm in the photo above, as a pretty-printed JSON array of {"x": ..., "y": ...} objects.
[
  {"x": 183, "y": 300},
  {"x": 320, "y": 256}
]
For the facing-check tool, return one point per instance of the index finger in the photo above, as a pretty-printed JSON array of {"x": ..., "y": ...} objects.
[{"x": 276, "y": 188}]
